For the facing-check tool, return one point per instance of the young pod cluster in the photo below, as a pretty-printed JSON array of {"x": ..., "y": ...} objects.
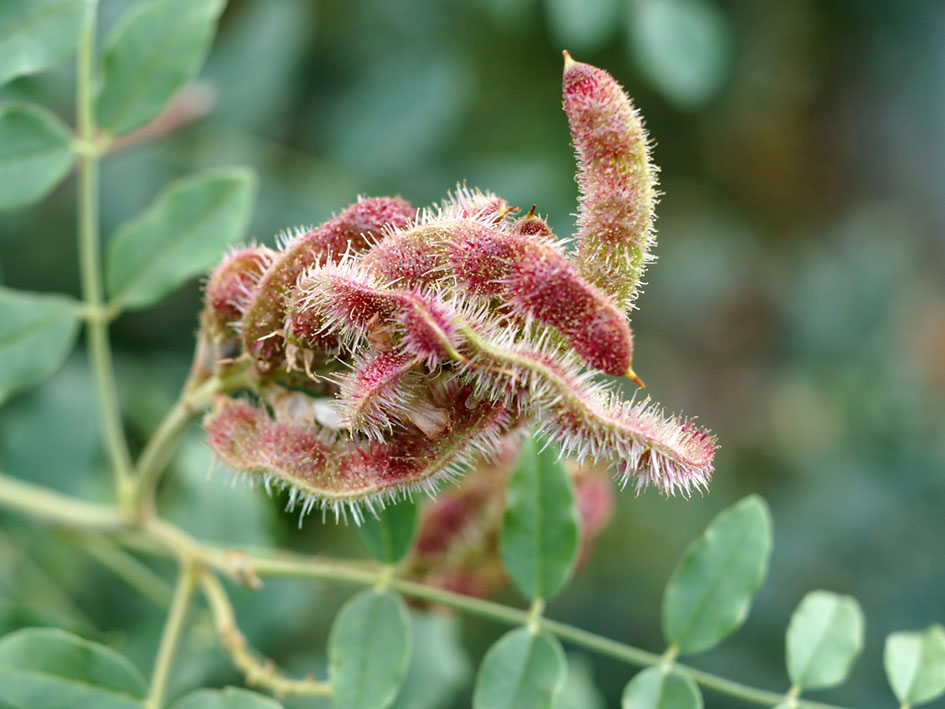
[{"x": 392, "y": 347}]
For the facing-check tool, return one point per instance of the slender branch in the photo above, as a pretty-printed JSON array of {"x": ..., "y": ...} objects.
[
  {"x": 91, "y": 270},
  {"x": 158, "y": 536},
  {"x": 170, "y": 638},
  {"x": 158, "y": 450},
  {"x": 335, "y": 571},
  {"x": 128, "y": 569},
  {"x": 258, "y": 672},
  {"x": 50, "y": 506}
]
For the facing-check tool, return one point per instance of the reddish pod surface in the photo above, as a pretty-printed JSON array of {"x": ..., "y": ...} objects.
[
  {"x": 616, "y": 180},
  {"x": 231, "y": 283},
  {"x": 435, "y": 332},
  {"x": 351, "y": 231},
  {"x": 539, "y": 283}
]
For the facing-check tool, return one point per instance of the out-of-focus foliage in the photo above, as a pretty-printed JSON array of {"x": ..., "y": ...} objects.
[{"x": 799, "y": 304}]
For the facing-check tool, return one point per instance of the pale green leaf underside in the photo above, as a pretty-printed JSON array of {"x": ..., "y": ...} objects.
[
  {"x": 824, "y": 638},
  {"x": 369, "y": 651},
  {"x": 179, "y": 236},
  {"x": 47, "y": 667},
  {"x": 35, "y": 154},
  {"x": 915, "y": 664},
  {"x": 153, "y": 52},
  {"x": 710, "y": 592},
  {"x": 389, "y": 536},
  {"x": 37, "y": 332},
  {"x": 37, "y": 34},
  {"x": 228, "y": 698},
  {"x": 655, "y": 689},
  {"x": 523, "y": 670},
  {"x": 539, "y": 540}
]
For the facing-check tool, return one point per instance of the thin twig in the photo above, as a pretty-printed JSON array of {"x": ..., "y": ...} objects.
[
  {"x": 170, "y": 638},
  {"x": 126, "y": 567},
  {"x": 161, "y": 537},
  {"x": 261, "y": 673},
  {"x": 90, "y": 266}
]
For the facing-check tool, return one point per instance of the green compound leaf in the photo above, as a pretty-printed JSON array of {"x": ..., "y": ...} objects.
[
  {"x": 35, "y": 153},
  {"x": 388, "y": 537},
  {"x": 37, "y": 34},
  {"x": 38, "y": 665},
  {"x": 369, "y": 651},
  {"x": 523, "y": 670},
  {"x": 655, "y": 689},
  {"x": 37, "y": 332},
  {"x": 179, "y": 236},
  {"x": 153, "y": 52},
  {"x": 824, "y": 638},
  {"x": 539, "y": 540},
  {"x": 683, "y": 48},
  {"x": 228, "y": 698},
  {"x": 915, "y": 664},
  {"x": 710, "y": 592}
]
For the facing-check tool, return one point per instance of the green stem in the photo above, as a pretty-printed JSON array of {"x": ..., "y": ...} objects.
[
  {"x": 158, "y": 536},
  {"x": 57, "y": 508},
  {"x": 535, "y": 614},
  {"x": 91, "y": 270},
  {"x": 335, "y": 571},
  {"x": 160, "y": 447},
  {"x": 128, "y": 568},
  {"x": 258, "y": 672},
  {"x": 170, "y": 638}
]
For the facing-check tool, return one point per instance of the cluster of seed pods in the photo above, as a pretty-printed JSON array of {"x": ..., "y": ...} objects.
[{"x": 395, "y": 346}]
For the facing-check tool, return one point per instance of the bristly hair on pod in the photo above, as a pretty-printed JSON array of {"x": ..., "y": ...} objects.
[
  {"x": 617, "y": 181},
  {"x": 586, "y": 418},
  {"x": 343, "y": 475},
  {"x": 384, "y": 389},
  {"x": 230, "y": 285},
  {"x": 426, "y": 338},
  {"x": 351, "y": 231}
]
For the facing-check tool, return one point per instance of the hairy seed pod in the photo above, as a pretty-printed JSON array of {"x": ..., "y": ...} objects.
[
  {"x": 351, "y": 231},
  {"x": 616, "y": 178},
  {"x": 352, "y": 303},
  {"x": 230, "y": 286},
  {"x": 430, "y": 337},
  {"x": 538, "y": 283},
  {"x": 466, "y": 203},
  {"x": 523, "y": 268},
  {"x": 587, "y": 419},
  {"x": 411, "y": 257},
  {"x": 343, "y": 475},
  {"x": 382, "y": 390}
]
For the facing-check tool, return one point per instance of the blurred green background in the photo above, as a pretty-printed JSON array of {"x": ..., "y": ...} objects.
[{"x": 798, "y": 304}]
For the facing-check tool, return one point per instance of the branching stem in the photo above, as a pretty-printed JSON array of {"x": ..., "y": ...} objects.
[
  {"x": 170, "y": 638},
  {"x": 158, "y": 536},
  {"x": 160, "y": 447},
  {"x": 90, "y": 265},
  {"x": 258, "y": 672}
]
